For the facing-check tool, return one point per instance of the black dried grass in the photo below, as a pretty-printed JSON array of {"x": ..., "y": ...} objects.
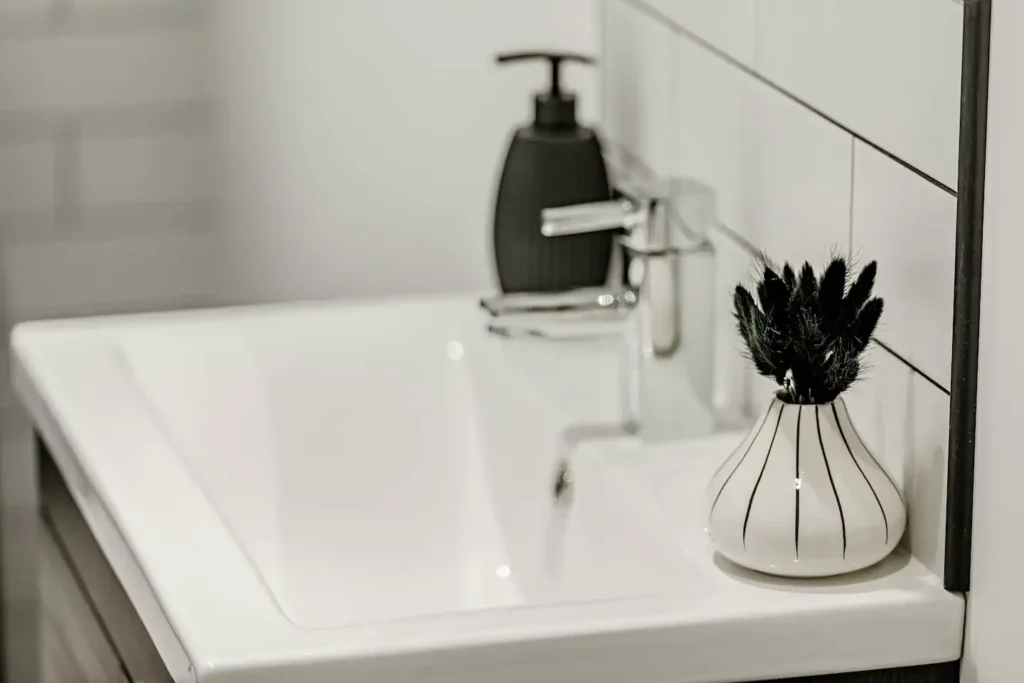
[{"x": 807, "y": 332}]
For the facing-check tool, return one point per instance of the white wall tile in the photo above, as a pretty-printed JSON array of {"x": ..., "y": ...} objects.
[
  {"x": 904, "y": 420},
  {"x": 796, "y": 180},
  {"x": 80, "y": 71},
  {"x": 145, "y": 169},
  {"x": 97, "y": 275},
  {"x": 785, "y": 182},
  {"x": 738, "y": 389},
  {"x": 710, "y": 116},
  {"x": 909, "y": 227},
  {"x": 782, "y": 178},
  {"x": 731, "y": 371},
  {"x": 26, "y": 176},
  {"x": 729, "y": 25},
  {"x": 888, "y": 69},
  {"x": 639, "y": 64}
]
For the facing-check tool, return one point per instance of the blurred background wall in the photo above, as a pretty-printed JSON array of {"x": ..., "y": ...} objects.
[
  {"x": 160, "y": 154},
  {"x": 105, "y": 202},
  {"x": 362, "y": 139}
]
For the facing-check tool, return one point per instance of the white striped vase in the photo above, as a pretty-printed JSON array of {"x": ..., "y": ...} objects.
[{"x": 803, "y": 496}]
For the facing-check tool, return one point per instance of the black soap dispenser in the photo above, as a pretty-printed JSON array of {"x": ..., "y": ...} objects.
[{"x": 551, "y": 162}]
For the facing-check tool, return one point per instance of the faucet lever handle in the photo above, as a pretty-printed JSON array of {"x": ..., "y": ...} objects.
[
  {"x": 614, "y": 214},
  {"x": 559, "y": 213}
]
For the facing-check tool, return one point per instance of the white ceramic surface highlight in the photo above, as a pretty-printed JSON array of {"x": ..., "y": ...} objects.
[
  {"x": 324, "y": 492},
  {"x": 803, "y": 496}
]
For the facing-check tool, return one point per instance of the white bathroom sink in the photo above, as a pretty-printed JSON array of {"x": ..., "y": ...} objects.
[
  {"x": 396, "y": 466},
  {"x": 322, "y": 492}
]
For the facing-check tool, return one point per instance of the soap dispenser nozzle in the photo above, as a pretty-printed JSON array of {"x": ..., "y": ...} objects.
[{"x": 554, "y": 108}]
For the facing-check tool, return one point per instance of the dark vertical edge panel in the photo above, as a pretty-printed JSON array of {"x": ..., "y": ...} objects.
[
  {"x": 967, "y": 294},
  {"x": 3, "y": 598}
]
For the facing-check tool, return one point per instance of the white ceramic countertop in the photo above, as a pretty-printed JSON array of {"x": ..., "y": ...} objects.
[{"x": 322, "y": 492}]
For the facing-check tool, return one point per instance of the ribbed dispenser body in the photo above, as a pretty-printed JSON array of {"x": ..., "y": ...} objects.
[{"x": 544, "y": 169}]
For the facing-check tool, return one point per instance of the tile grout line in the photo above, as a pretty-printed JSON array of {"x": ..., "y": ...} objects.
[
  {"x": 935, "y": 383},
  {"x": 681, "y": 30}
]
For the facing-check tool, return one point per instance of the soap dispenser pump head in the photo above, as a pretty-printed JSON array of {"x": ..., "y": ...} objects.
[{"x": 554, "y": 108}]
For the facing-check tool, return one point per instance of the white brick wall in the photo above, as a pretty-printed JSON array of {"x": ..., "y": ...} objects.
[
  {"x": 105, "y": 190},
  {"x": 69, "y": 277},
  {"x": 165, "y": 168},
  {"x": 27, "y": 176},
  {"x": 63, "y": 71},
  {"x": 105, "y": 195},
  {"x": 706, "y": 90}
]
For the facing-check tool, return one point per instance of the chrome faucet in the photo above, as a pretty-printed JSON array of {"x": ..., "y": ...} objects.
[{"x": 667, "y": 369}]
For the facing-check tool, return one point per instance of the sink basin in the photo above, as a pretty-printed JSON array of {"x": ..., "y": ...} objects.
[
  {"x": 317, "y": 492},
  {"x": 395, "y": 468}
]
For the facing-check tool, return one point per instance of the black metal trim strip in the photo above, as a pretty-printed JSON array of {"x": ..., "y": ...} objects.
[
  {"x": 967, "y": 294},
  {"x": 4, "y": 618},
  {"x": 681, "y": 30}
]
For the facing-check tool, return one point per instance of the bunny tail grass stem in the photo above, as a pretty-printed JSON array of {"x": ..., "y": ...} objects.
[{"x": 808, "y": 333}]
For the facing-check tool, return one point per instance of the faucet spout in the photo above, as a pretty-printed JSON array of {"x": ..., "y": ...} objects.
[{"x": 663, "y": 367}]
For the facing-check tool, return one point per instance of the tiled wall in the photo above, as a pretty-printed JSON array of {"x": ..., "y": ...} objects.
[
  {"x": 104, "y": 195},
  {"x": 823, "y": 125}
]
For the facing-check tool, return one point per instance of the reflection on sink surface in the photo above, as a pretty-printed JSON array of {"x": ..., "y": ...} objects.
[{"x": 400, "y": 465}]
